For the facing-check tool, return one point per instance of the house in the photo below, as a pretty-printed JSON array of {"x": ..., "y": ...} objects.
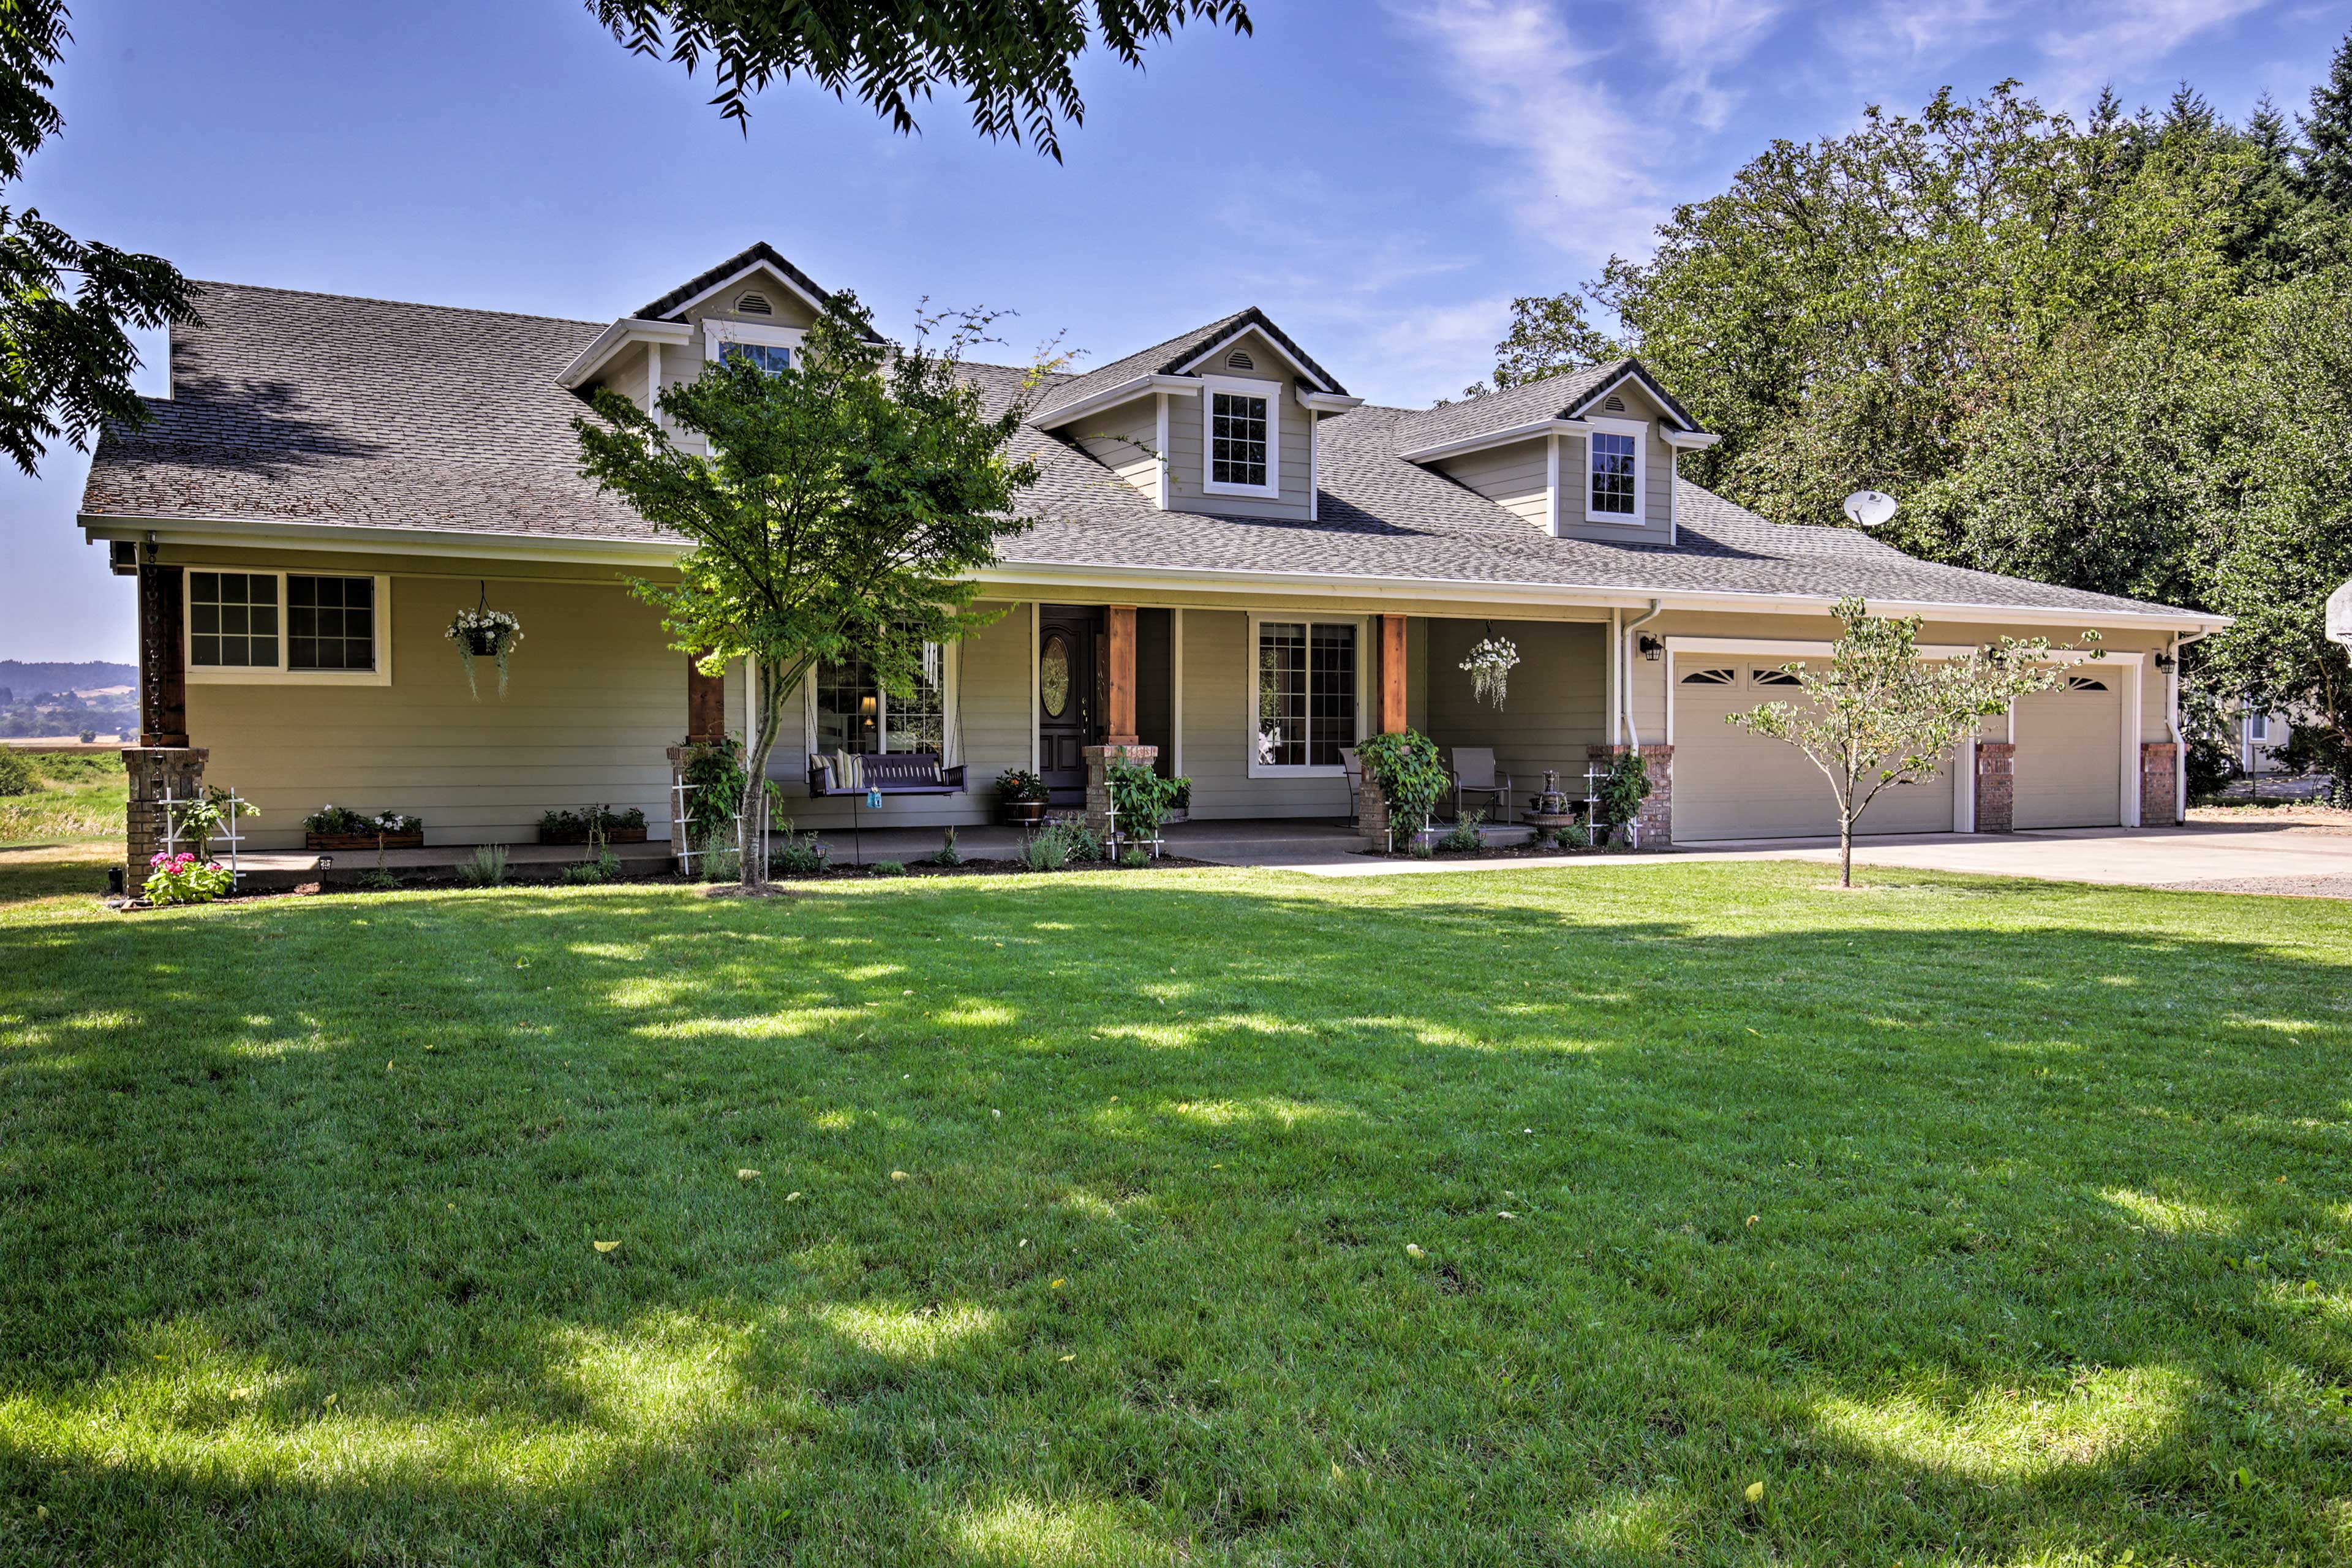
[{"x": 1235, "y": 561}]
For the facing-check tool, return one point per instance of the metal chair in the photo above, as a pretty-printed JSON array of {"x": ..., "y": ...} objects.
[{"x": 1475, "y": 774}]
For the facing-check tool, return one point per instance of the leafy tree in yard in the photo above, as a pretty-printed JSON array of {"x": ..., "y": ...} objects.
[
  {"x": 65, "y": 360},
  {"x": 1011, "y": 59},
  {"x": 1877, "y": 714},
  {"x": 843, "y": 505}
]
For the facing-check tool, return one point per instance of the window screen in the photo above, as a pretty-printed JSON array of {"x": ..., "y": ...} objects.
[{"x": 233, "y": 620}]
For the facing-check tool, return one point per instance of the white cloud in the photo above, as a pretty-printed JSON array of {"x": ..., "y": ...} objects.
[
  {"x": 2084, "y": 46},
  {"x": 2120, "y": 41},
  {"x": 1704, "y": 38},
  {"x": 1532, "y": 88}
]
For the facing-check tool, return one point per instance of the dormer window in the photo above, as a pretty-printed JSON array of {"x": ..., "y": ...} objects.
[
  {"x": 768, "y": 357},
  {"x": 1243, "y": 438},
  {"x": 1613, "y": 482}
]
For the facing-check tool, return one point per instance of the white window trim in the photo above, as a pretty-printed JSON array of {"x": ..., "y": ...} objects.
[
  {"x": 1241, "y": 386},
  {"x": 1258, "y": 769},
  {"x": 1639, "y": 430},
  {"x": 255, "y": 675},
  {"x": 716, "y": 334},
  {"x": 951, "y": 683}
]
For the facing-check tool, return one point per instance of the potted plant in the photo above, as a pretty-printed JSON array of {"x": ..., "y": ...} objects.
[
  {"x": 483, "y": 633},
  {"x": 1022, "y": 796},
  {"x": 341, "y": 827},
  {"x": 1489, "y": 668},
  {"x": 592, "y": 825}
]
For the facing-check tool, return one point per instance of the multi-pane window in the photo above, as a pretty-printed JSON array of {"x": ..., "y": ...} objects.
[
  {"x": 1237, "y": 439},
  {"x": 233, "y": 619},
  {"x": 1613, "y": 478},
  {"x": 1305, "y": 692},
  {"x": 330, "y": 623},
  {"x": 768, "y": 357},
  {"x": 854, "y": 713}
]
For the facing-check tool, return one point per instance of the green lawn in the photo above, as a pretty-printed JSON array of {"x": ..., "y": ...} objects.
[
  {"x": 80, "y": 799},
  {"x": 1977, "y": 1221}
]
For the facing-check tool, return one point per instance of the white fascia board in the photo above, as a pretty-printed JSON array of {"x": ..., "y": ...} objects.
[
  {"x": 732, "y": 279},
  {"x": 1501, "y": 438},
  {"x": 226, "y": 532},
  {"x": 1689, "y": 440},
  {"x": 1111, "y": 397},
  {"x": 1328, "y": 402},
  {"x": 614, "y": 339},
  {"x": 1244, "y": 330}
]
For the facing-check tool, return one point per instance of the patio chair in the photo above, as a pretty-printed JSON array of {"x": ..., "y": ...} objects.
[
  {"x": 1352, "y": 765},
  {"x": 1475, "y": 775}
]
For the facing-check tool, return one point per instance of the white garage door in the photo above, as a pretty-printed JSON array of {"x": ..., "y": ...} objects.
[
  {"x": 2069, "y": 756},
  {"x": 1729, "y": 784}
]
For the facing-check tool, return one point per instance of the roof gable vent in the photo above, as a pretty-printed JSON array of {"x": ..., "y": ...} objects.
[
  {"x": 1614, "y": 404},
  {"x": 1239, "y": 359},
  {"x": 751, "y": 302}
]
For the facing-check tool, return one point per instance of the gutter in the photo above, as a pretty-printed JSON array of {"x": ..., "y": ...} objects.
[
  {"x": 1501, "y": 438},
  {"x": 1112, "y": 396},
  {"x": 1625, "y": 663},
  {"x": 2172, "y": 724}
]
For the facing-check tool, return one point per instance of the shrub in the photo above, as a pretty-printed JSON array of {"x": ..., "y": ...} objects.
[
  {"x": 1406, "y": 767},
  {"x": 947, "y": 853},
  {"x": 719, "y": 859},
  {"x": 796, "y": 854},
  {"x": 1623, "y": 791},
  {"x": 1462, "y": 838},
  {"x": 343, "y": 819},
  {"x": 605, "y": 867},
  {"x": 1015, "y": 786},
  {"x": 182, "y": 879},
  {"x": 376, "y": 879},
  {"x": 1055, "y": 845},
  {"x": 886, "y": 869},
  {"x": 1420, "y": 850},
  {"x": 487, "y": 867},
  {"x": 714, "y": 780},
  {"x": 1135, "y": 859},
  {"x": 1575, "y": 835},
  {"x": 588, "y": 824},
  {"x": 1141, "y": 797},
  {"x": 16, "y": 776}
]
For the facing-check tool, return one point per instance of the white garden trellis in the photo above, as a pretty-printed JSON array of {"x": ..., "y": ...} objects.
[{"x": 174, "y": 804}]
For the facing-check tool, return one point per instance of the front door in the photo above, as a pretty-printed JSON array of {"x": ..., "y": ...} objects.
[{"x": 1069, "y": 705}]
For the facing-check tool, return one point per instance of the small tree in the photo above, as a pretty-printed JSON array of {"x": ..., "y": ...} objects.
[
  {"x": 1877, "y": 714},
  {"x": 842, "y": 507}
]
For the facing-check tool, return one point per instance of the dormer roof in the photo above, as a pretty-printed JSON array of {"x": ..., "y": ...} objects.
[
  {"x": 1183, "y": 355},
  {"x": 759, "y": 257},
  {"x": 1516, "y": 412}
]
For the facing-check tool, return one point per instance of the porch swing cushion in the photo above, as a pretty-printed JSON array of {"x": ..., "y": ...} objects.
[{"x": 889, "y": 772}]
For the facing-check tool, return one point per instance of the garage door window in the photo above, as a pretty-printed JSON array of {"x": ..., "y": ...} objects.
[
  {"x": 1774, "y": 677},
  {"x": 2085, "y": 683},
  {"x": 1712, "y": 678}
]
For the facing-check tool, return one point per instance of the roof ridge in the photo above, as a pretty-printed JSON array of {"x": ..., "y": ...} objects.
[{"x": 209, "y": 283}]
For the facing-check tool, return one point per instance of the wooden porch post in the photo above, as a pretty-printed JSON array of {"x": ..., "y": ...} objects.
[
  {"x": 1120, "y": 646},
  {"x": 162, "y": 657},
  {"x": 1392, "y": 658},
  {"x": 706, "y": 705}
]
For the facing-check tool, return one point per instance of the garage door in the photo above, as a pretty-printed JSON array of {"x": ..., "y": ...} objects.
[
  {"x": 1729, "y": 784},
  {"x": 2069, "y": 765}
]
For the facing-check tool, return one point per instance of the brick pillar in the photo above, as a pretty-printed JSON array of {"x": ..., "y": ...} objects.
[
  {"x": 1996, "y": 787},
  {"x": 150, "y": 770},
  {"x": 1098, "y": 761},
  {"x": 1373, "y": 812},
  {"x": 1655, "y": 820},
  {"x": 2160, "y": 798}
]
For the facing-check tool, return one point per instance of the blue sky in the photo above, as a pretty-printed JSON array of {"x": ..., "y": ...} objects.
[{"x": 1381, "y": 175}]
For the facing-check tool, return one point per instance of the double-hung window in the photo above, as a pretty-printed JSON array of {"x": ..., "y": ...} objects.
[
  {"x": 1243, "y": 437},
  {"x": 1614, "y": 484},
  {"x": 768, "y": 357},
  {"x": 1305, "y": 696},
  {"x": 852, "y": 712},
  {"x": 299, "y": 628}
]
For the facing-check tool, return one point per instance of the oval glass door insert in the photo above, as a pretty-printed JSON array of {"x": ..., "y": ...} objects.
[{"x": 1054, "y": 676}]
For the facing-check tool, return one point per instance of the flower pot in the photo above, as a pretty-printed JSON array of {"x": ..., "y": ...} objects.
[
  {"x": 1023, "y": 813},
  {"x": 482, "y": 642}
]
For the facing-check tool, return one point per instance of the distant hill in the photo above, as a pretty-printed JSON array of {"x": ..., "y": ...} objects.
[{"x": 25, "y": 678}]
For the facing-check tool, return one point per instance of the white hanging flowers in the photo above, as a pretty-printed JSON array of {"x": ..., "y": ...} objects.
[
  {"x": 483, "y": 633},
  {"x": 1489, "y": 667}
]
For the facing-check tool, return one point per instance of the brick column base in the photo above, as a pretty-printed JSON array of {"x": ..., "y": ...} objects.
[
  {"x": 1655, "y": 822},
  {"x": 1996, "y": 787},
  {"x": 2159, "y": 783},
  {"x": 1373, "y": 812},
  {"x": 151, "y": 771},
  {"x": 1098, "y": 761}
]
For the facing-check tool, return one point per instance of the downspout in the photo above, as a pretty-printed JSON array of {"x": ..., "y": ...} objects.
[{"x": 1625, "y": 665}]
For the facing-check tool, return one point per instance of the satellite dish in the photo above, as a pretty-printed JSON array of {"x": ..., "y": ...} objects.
[
  {"x": 1870, "y": 509},
  {"x": 2340, "y": 617}
]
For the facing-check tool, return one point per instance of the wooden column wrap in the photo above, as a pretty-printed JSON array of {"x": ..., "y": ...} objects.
[
  {"x": 1119, "y": 624},
  {"x": 162, "y": 656},
  {"x": 706, "y": 705},
  {"x": 1393, "y": 672}
]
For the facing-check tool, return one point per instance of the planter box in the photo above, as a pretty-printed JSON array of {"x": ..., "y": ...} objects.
[
  {"x": 580, "y": 836},
  {"x": 363, "y": 840},
  {"x": 1021, "y": 813}
]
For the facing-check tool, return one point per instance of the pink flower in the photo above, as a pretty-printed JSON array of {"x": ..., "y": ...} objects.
[
  {"x": 160, "y": 858},
  {"x": 186, "y": 856}
]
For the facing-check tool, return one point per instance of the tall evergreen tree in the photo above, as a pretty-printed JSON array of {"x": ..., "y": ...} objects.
[{"x": 2327, "y": 134}]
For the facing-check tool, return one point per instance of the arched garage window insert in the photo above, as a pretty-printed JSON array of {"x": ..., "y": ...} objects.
[
  {"x": 2085, "y": 683},
  {"x": 1712, "y": 678},
  {"x": 1772, "y": 678}
]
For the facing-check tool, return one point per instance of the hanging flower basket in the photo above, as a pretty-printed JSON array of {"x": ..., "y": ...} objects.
[
  {"x": 1489, "y": 667},
  {"x": 483, "y": 633}
]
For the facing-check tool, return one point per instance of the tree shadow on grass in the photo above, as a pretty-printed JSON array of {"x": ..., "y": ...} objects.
[{"x": 2021, "y": 1273}]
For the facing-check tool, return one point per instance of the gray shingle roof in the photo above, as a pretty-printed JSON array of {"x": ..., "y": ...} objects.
[
  {"x": 1557, "y": 396},
  {"x": 1163, "y": 359},
  {"x": 291, "y": 407}
]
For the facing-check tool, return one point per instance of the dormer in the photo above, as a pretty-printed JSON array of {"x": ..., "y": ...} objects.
[
  {"x": 1587, "y": 454},
  {"x": 1221, "y": 420},
  {"x": 754, "y": 305}
]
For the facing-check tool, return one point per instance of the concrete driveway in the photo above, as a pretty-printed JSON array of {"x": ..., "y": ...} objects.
[{"x": 2312, "y": 862}]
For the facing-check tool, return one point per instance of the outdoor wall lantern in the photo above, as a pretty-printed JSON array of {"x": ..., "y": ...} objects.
[{"x": 1651, "y": 648}]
